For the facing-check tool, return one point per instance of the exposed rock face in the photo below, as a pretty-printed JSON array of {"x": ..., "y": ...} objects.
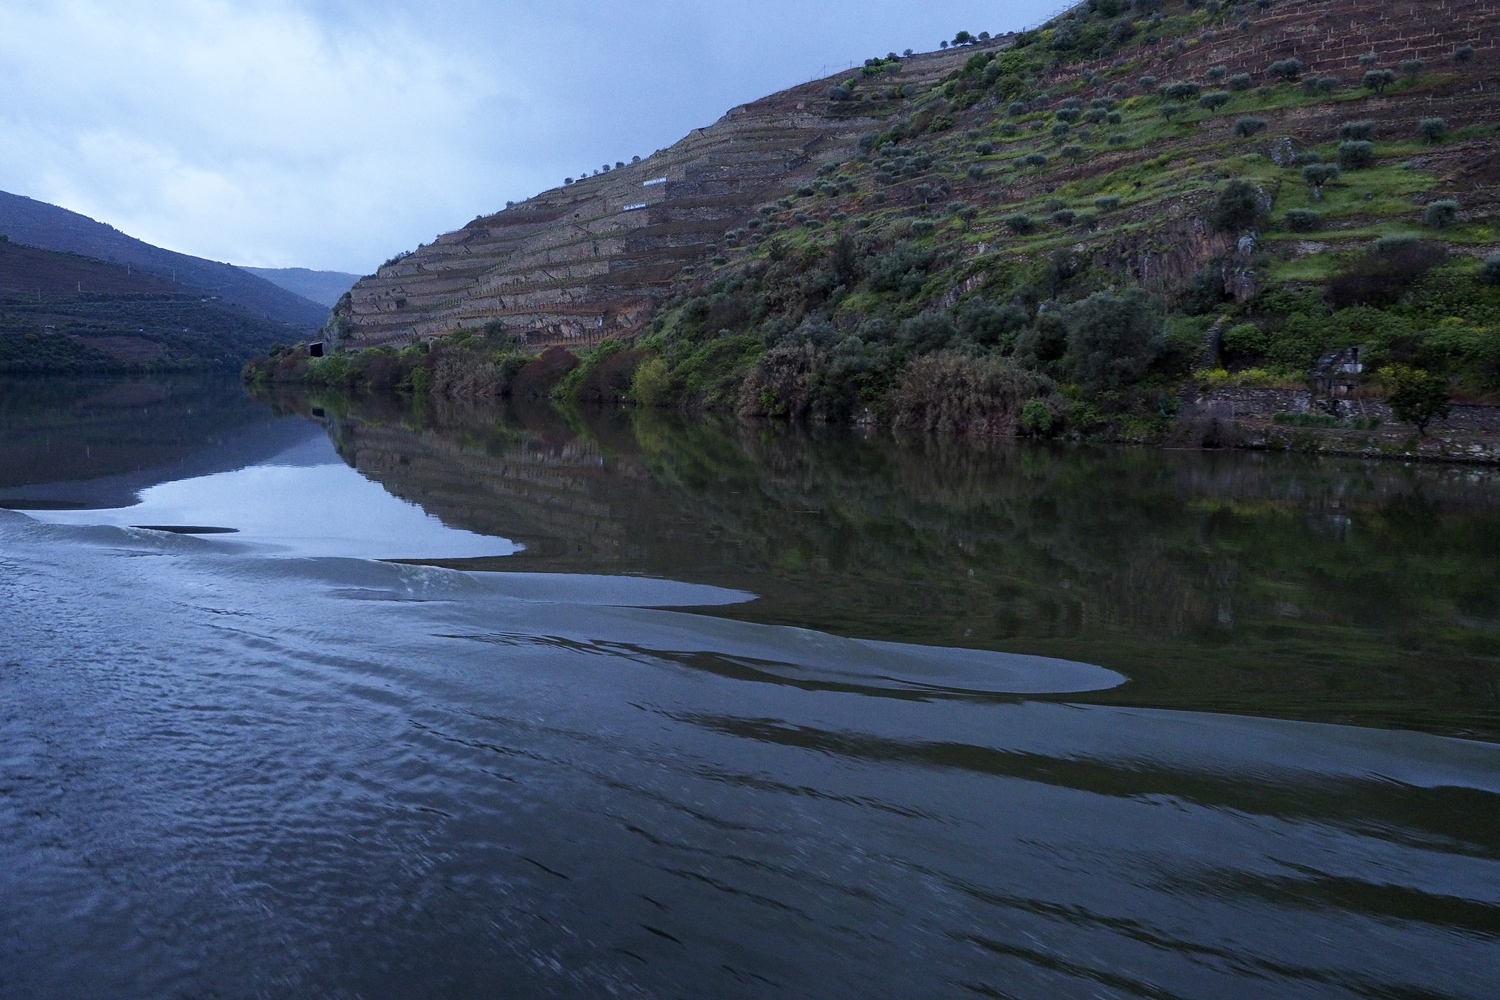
[{"x": 588, "y": 261}]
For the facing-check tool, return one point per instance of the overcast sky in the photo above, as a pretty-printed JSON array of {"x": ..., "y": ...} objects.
[{"x": 332, "y": 133}]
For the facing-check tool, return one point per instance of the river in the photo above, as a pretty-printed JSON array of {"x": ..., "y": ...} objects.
[{"x": 318, "y": 697}]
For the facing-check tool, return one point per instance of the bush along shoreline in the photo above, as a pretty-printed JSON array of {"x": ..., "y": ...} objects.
[{"x": 1395, "y": 337}]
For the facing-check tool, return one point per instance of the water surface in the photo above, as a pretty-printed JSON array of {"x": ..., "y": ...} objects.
[{"x": 658, "y": 709}]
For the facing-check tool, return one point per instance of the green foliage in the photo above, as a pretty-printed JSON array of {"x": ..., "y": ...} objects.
[
  {"x": 1417, "y": 397},
  {"x": 1303, "y": 220},
  {"x": 1319, "y": 174},
  {"x": 1020, "y": 223},
  {"x": 1214, "y": 100},
  {"x": 1430, "y": 130},
  {"x": 1112, "y": 339},
  {"x": 1441, "y": 214},
  {"x": 1360, "y": 131},
  {"x": 1379, "y": 80},
  {"x": 1237, "y": 208},
  {"x": 1248, "y": 128},
  {"x": 1489, "y": 272},
  {"x": 1357, "y": 155}
]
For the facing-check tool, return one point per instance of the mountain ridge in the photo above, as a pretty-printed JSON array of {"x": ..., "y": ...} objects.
[
  {"x": 323, "y": 287},
  {"x": 51, "y": 227}
]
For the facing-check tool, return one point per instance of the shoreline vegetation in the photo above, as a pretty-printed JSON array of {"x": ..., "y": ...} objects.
[{"x": 1081, "y": 231}]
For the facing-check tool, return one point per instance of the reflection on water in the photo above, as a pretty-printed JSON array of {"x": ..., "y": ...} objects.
[
  {"x": 1324, "y": 589},
  {"x": 229, "y": 775}
]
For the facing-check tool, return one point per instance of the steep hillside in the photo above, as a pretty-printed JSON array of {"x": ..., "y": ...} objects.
[
  {"x": 322, "y": 287},
  {"x": 39, "y": 224},
  {"x": 593, "y": 259},
  {"x": 60, "y": 312},
  {"x": 26, "y": 270},
  {"x": 1104, "y": 221}
]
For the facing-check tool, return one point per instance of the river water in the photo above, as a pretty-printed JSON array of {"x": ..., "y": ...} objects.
[{"x": 311, "y": 697}]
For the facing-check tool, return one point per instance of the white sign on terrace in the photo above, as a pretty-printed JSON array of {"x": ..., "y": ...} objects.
[{"x": 654, "y": 182}]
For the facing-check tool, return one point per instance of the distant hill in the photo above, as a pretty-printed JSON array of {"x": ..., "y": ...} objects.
[
  {"x": 324, "y": 287},
  {"x": 62, "y": 312},
  {"x": 27, "y": 270},
  {"x": 39, "y": 224}
]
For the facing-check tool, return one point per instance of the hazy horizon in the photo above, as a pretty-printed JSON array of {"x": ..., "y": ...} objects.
[{"x": 329, "y": 135}]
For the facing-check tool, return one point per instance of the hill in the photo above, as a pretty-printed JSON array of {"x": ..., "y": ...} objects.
[
  {"x": 26, "y": 271},
  {"x": 1100, "y": 219},
  {"x": 38, "y": 224},
  {"x": 62, "y": 312},
  {"x": 322, "y": 287}
]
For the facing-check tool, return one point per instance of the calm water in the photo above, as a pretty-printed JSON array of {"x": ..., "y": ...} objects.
[{"x": 463, "y": 702}]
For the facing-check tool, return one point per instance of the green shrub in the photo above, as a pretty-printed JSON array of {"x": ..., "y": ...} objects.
[
  {"x": 1112, "y": 339},
  {"x": 1418, "y": 397},
  {"x": 1357, "y": 155},
  {"x": 1107, "y": 203},
  {"x": 1489, "y": 272},
  {"x": 1248, "y": 128},
  {"x": 958, "y": 396},
  {"x": 1430, "y": 130},
  {"x": 1020, "y": 223},
  {"x": 1304, "y": 220},
  {"x": 925, "y": 333},
  {"x": 1064, "y": 217},
  {"x": 1441, "y": 214},
  {"x": 1038, "y": 419},
  {"x": 1241, "y": 82},
  {"x": 1237, "y": 208},
  {"x": 989, "y": 324},
  {"x": 1360, "y": 131}
]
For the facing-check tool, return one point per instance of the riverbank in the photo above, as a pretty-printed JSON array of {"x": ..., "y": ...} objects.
[{"x": 946, "y": 394}]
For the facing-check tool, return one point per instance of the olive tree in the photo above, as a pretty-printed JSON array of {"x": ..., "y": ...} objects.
[
  {"x": 1214, "y": 100},
  {"x": 1248, "y": 128},
  {"x": 1441, "y": 214},
  {"x": 1432, "y": 129},
  {"x": 1318, "y": 174},
  {"x": 1357, "y": 155},
  {"x": 1379, "y": 80}
]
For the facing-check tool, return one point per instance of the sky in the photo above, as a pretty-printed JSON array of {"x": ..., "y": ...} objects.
[{"x": 333, "y": 134}]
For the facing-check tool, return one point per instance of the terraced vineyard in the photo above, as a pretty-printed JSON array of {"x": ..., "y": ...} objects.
[{"x": 1103, "y": 221}]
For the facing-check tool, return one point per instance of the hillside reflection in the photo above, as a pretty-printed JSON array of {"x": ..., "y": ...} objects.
[{"x": 1321, "y": 589}]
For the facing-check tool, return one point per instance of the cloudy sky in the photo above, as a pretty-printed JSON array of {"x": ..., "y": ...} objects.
[{"x": 333, "y": 133}]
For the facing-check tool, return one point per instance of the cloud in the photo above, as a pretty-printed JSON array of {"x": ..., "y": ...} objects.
[{"x": 331, "y": 134}]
